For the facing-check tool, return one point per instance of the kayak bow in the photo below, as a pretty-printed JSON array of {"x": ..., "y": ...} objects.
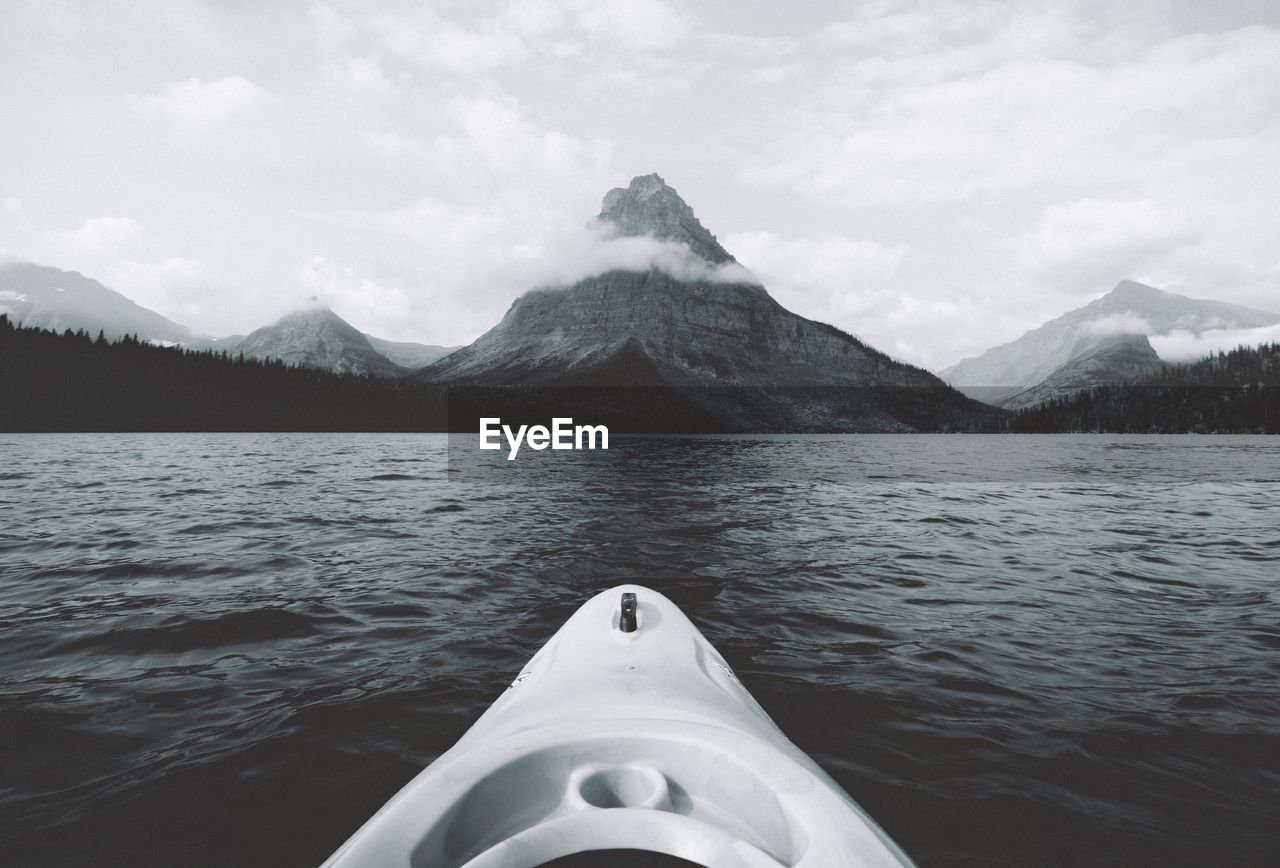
[{"x": 627, "y": 731}]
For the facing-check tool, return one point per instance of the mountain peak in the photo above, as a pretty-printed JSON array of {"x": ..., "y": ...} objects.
[
  {"x": 312, "y": 310},
  {"x": 317, "y": 337},
  {"x": 648, "y": 206},
  {"x": 1131, "y": 289}
]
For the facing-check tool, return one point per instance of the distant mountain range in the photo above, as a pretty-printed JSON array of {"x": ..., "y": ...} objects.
[
  {"x": 49, "y": 298},
  {"x": 1129, "y": 308},
  {"x": 684, "y": 340},
  {"x": 39, "y": 296}
]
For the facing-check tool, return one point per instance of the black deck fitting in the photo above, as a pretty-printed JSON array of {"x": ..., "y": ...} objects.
[{"x": 627, "y": 622}]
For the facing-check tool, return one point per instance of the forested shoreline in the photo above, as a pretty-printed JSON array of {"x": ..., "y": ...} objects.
[
  {"x": 74, "y": 382},
  {"x": 1230, "y": 392}
]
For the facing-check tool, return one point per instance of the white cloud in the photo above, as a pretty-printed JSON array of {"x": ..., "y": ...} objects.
[
  {"x": 829, "y": 262},
  {"x": 832, "y": 278},
  {"x": 1182, "y": 346},
  {"x": 598, "y": 249},
  {"x": 953, "y": 104},
  {"x": 638, "y": 25},
  {"x": 493, "y": 136},
  {"x": 97, "y": 235},
  {"x": 523, "y": 33},
  {"x": 1119, "y": 324},
  {"x": 198, "y": 103},
  {"x": 460, "y": 262},
  {"x": 394, "y": 145},
  {"x": 490, "y": 143},
  {"x": 428, "y": 40},
  {"x": 12, "y": 206},
  {"x": 179, "y": 288},
  {"x": 347, "y": 59},
  {"x": 332, "y": 30},
  {"x": 1092, "y": 241},
  {"x": 366, "y": 75},
  {"x": 165, "y": 271},
  {"x": 854, "y": 284},
  {"x": 771, "y": 74},
  {"x": 598, "y": 49},
  {"x": 371, "y": 306}
]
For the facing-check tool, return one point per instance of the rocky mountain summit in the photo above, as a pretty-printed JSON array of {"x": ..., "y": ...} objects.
[
  {"x": 648, "y": 207},
  {"x": 319, "y": 338},
  {"x": 630, "y": 328},
  {"x": 1129, "y": 308}
]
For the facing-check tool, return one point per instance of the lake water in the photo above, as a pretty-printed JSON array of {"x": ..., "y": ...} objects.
[{"x": 229, "y": 650}]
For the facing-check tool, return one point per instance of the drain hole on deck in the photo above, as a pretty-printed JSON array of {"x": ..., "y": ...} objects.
[
  {"x": 620, "y": 859},
  {"x": 617, "y": 788}
]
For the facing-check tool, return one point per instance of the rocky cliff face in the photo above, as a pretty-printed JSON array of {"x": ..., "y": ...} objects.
[
  {"x": 1128, "y": 308},
  {"x": 648, "y": 328},
  {"x": 1113, "y": 361},
  {"x": 318, "y": 338},
  {"x": 651, "y": 328}
]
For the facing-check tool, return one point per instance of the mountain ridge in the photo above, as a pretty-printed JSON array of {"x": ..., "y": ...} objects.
[
  {"x": 1128, "y": 307},
  {"x": 42, "y": 296},
  {"x": 46, "y": 297}
]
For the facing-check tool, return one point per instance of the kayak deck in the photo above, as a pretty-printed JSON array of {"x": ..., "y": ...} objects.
[{"x": 627, "y": 731}]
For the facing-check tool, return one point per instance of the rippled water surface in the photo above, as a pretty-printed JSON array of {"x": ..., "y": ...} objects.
[{"x": 231, "y": 649}]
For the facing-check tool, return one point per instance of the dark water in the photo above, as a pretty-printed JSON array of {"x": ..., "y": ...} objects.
[{"x": 231, "y": 649}]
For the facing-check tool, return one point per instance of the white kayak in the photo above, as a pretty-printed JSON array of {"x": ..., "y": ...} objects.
[{"x": 626, "y": 732}]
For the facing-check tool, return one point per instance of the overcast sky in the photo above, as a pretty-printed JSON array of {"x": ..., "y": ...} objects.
[{"x": 934, "y": 178}]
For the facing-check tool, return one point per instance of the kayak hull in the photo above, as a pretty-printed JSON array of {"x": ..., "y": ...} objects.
[{"x": 614, "y": 739}]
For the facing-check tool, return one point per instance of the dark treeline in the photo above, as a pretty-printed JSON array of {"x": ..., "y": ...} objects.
[
  {"x": 1230, "y": 392},
  {"x": 73, "y": 382}
]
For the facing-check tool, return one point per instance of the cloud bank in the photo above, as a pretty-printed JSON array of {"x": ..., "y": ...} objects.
[
  {"x": 199, "y": 103},
  {"x": 1182, "y": 346},
  {"x": 1119, "y": 324},
  {"x": 598, "y": 249}
]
